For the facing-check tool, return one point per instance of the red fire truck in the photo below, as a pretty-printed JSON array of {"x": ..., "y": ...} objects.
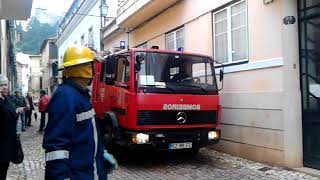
[{"x": 150, "y": 98}]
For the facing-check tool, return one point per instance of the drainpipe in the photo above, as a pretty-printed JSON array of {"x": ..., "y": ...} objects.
[
  {"x": 128, "y": 38},
  {"x": 292, "y": 107},
  {"x": 101, "y": 28}
]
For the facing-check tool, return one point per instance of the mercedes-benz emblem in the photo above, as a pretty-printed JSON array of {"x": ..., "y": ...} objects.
[{"x": 181, "y": 117}]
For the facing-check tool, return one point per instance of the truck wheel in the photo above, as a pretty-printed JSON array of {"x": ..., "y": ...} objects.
[{"x": 107, "y": 137}]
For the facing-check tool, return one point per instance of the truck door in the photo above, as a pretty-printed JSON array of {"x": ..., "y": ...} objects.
[{"x": 121, "y": 92}]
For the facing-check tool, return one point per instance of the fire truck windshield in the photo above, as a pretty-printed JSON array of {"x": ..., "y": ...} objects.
[{"x": 175, "y": 73}]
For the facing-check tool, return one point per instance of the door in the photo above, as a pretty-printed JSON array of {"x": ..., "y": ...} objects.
[
  {"x": 309, "y": 34},
  {"x": 121, "y": 91}
]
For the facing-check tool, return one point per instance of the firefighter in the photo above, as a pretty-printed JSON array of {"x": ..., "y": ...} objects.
[{"x": 73, "y": 149}]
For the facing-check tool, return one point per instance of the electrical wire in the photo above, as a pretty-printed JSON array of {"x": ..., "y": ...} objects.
[{"x": 43, "y": 9}]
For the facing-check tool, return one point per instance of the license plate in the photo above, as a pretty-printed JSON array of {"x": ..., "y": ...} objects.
[{"x": 186, "y": 145}]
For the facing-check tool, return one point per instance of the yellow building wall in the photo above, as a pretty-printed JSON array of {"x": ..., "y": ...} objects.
[
  {"x": 158, "y": 41},
  {"x": 253, "y": 114},
  {"x": 114, "y": 41},
  {"x": 198, "y": 35},
  {"x": 264, "y": 23},
  {"x": 264, "y": 27}
]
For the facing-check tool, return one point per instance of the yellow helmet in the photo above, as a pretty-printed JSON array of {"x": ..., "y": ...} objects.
[
  {"x": 77, "y": 62},
  {"x": 76, "y": 55}
]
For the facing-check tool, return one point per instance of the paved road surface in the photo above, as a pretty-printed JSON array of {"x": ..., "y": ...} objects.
[{"x": 207, "y": 165}]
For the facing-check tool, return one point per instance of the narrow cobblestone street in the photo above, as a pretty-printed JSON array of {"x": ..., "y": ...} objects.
[
  {"x": 242, "y": 75},
  {"x": 207, "y": 165}
]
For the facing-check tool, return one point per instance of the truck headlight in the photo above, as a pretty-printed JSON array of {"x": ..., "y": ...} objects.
[
  {"x": 213, "y": 135},
  {"x": 140, "y": 138}
]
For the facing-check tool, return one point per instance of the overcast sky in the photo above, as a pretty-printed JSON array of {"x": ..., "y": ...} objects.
[
  {"x": 58, "y": 7},
  {"x": 53, "y": 6}
]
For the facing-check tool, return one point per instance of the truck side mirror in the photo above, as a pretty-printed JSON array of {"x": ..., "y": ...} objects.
[
  {"x": 137, "y": 67},
  {"x": 139, "y": 59},
  {"x": 221, "y": 74}
]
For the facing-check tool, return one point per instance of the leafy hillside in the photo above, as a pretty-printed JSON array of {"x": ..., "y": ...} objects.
[{"x": 32, "y": 38}]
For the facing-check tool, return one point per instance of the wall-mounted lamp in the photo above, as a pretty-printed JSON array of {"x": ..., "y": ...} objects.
[
  {"x": 266, "y": 2},
  {"x": 104, "y": 9}
]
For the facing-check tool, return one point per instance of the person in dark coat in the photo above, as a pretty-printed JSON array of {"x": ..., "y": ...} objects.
[
  {"x": 20, "y": 102},
  {"x": 8, "y": 134},
  {"x": 29, "y": 109}
]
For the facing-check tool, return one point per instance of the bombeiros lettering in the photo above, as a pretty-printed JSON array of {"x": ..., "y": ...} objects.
[{"x": 181, "y": 107}]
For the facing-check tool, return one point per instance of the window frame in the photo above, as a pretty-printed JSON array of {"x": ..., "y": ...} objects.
[
  {"x": 122, "y": 83},
  {"x": 174, "y": 32},
  {"x": 229, "y": 33}
]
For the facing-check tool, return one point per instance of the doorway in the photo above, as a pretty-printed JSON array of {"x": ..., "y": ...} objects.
[{"x": 309, "y": 36}]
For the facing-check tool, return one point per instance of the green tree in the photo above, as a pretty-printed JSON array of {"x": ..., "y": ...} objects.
[{"x": 34, "y": 36}]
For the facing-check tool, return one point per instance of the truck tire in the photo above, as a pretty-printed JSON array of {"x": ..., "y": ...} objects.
[{"x": 108, "y": 137}]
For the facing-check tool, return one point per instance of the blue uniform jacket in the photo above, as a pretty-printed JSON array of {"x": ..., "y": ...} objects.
[{"x": 73, "y": 149}]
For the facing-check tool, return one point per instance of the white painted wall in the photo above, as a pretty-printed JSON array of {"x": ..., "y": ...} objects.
[
  {"x": 4, "y": 47},
  {"x": 79, "y": 26},
  {"x": 113, "y": 6},
  {"x": 35, "y": 74},
  {"x": 25, "y": 61}
]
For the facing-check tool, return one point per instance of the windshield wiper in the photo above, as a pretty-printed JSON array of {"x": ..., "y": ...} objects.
[{"x": 189, "y": 85}]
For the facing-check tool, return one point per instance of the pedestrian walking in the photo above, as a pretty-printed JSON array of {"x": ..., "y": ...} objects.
[
  {"x": 43, "y": 103},
  {"x": 8, "y": 135},
  {"x": 35, "y": 116},
  {"x": 73, "y": 147},
  {"x": 29, "y": 110},
  {"x": 20, "y": 102},
  {"x": 36, "y": 103}
]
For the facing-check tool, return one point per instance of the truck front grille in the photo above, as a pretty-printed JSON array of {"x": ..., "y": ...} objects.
[{"x": 149, "y": 117}]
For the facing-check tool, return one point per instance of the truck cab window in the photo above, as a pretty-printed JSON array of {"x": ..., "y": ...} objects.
[
  {"x": 108, "y": 70},
  {"x": 173, "y": 71},
  {"x": 123, "y": 70},
  {"x": 103, "y": 72},
  {"x": 178, "y": 73}
]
